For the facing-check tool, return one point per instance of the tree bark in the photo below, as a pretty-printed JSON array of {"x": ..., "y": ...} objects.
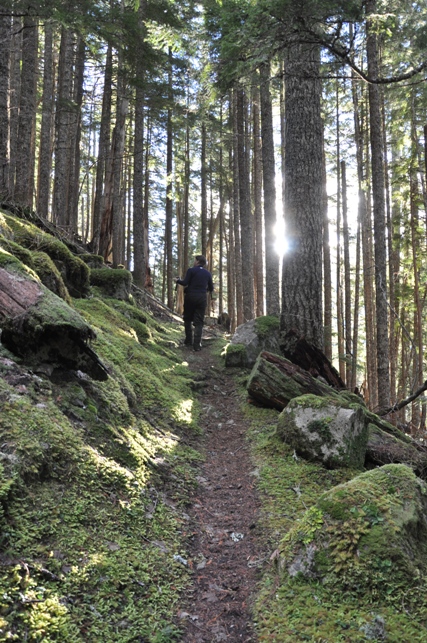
[
  {"x": 246, "y": 219},
  {"x": 169, "y": 194},
  {"x": 302, "y": 264},
  {"x": 64, "y": 115},
  {"x": 269, "y": 183},
  {"x": 347, "y": 279},
  {"x": 257, "y": 198},
  {"x": 377, "y": 162},
  {"x": 45, "y": 147},
  {"x": 103, "y": 150},
  {"x": 24, "y": 178},
  {"x": 5, "y": 45},
  {"x": 236, "y": 257},
  {"x": 274, "y": 381},
  {"x": 15, "y": 92}
]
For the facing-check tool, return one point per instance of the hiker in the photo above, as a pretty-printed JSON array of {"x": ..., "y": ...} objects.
[{"x": 197, "y": 282}]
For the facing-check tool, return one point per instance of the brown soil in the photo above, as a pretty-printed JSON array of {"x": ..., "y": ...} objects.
[{"x": 226, "y": 549}]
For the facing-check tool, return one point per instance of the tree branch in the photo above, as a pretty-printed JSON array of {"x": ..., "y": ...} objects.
[{"x": 399, "y": 405}]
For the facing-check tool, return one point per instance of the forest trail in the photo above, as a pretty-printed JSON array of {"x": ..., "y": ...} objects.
[{"x": 226, "y": 548}]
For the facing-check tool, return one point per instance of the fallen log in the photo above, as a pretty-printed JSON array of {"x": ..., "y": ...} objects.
[
  {"x": 274, "y": 381},
  {"x": 306, "y": 355},
  {"x": 40, "y": 327},
  {"x": 384, "y": 448}
]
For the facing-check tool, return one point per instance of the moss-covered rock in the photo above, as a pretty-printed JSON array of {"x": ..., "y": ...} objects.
[
  {"x": 320, "y": 429},
  {"x": 50, "y": 275},
  {"x": 93, "y": 261},
  {"x": 367, "y": 535},
  {"x": 253, "y": 337},
  {"x": 236, "y": 355},
  {"x": 41, "y": 327},
  {"x": 74, "y": 271},
  {"x": 112, "y": 282},
  {"x": 24, "y": 255}
]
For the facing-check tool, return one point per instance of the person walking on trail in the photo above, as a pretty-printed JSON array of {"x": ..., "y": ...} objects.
[{"x": 197, "y": 283}]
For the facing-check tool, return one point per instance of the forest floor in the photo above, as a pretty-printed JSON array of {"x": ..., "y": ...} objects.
[{"x": 226, "y": 544}]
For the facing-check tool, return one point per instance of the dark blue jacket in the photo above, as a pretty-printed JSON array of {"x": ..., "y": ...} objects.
[{"x": 197, "y": 281}]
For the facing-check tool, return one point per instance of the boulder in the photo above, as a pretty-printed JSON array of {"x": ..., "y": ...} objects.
[
  {"x": 251, "y": 338},
  {"x": 368, "y": 535},
  {"x": 320, "y": 429}
]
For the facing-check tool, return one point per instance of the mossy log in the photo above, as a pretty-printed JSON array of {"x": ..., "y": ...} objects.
[
  {"x": 384, "y": 448},
  {"x": 274, "y": 381},
  {"x": 42, "y": 328}
]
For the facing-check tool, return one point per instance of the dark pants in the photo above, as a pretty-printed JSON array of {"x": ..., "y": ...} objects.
[{"x": 194, "y": 314}]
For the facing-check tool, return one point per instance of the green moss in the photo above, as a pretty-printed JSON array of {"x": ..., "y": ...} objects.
[
  {"x": 338, "y": 608},
  {"x": 321, "y": 427},
  {"x": 236, "y": 355},
  {"x": 113, "y": 282},
  {"x": 74, "y": 271},
  {"x": 93, "y": 261},
  {"x": 17, "y": 251},
  {"x": 267, "y": 324},
  {"x": 94, "y": 476},
  {"x": 50, "y": 275}
]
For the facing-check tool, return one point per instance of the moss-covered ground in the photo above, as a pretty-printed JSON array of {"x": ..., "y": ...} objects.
[
  {"x": 95, "y": 477},
  {"x": 292, "y": 609}
]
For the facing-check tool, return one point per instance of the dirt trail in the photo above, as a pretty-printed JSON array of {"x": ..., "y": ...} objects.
[{"x": 226, "y": 549}]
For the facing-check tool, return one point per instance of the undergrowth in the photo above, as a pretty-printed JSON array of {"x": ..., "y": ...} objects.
[
  {"x": 292, "y": 609},
  {"x": 95, "y": 479}
]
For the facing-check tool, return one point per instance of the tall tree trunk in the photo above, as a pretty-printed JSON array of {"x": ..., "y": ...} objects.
[
  {"x": 302, "y": 264},
  {"x": 327, "y": 270},
  {"x": 257, "y": 190},
  {"x": 418, "y": 413},
  {"x": 340, "y": 317},
  {"x": 45, "y": 148},
  {"x": 119, "y": 138},
  {"x": 355, "y": 339},
  {"x": 204, "y": 193},
  {"x": 169, "y": 194},
  {"x": 64, "y": 115},
  {"x": 186, "y": 220},
  {"x": 269, "y": 183},
  {"x": 140, "y": 229},
  {"x": 15, "y": 92},
  {"x": 103, "y": 150},
  {"x": 75, "y": 135},
  {"x": 377, "y": 162},
  {"x": 246, "y": 220},
  {"x": 347, "y": 278},
  {"x": 24, "y": 179},
  {"x": 238, "y": 276},
  {"x": 367, "y": 254},
  {"x": 5, "y": 45}
]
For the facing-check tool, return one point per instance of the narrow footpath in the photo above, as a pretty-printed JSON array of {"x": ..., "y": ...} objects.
[{"x": 225, "y": 548}]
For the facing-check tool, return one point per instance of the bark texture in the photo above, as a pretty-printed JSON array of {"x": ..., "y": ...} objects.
[
  {"x": 302, "y": 263},
  {"x": 5, "y": 43},
  {"x": 24, "y": 180},
  {"x": 269, "y": 184},
  {"x": 377, "y": 163}
]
